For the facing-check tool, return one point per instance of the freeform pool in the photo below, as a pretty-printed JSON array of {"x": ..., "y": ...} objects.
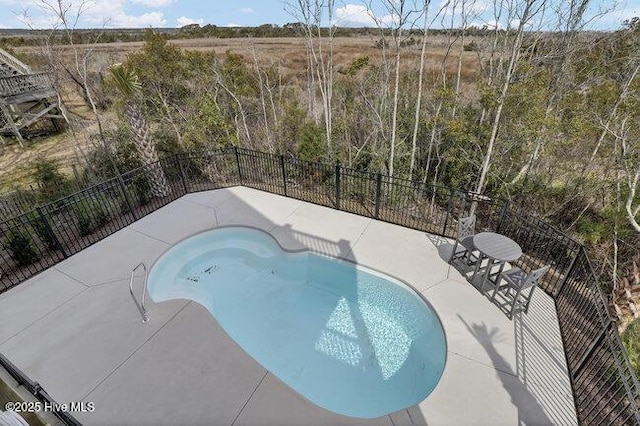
[{"x": 349, "y": 339}]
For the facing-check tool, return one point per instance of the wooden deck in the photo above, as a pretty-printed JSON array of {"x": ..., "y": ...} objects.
[{"x": 25, "y": 97}]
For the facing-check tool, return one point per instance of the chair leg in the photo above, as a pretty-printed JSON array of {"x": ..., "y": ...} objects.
[
  {"x": 526, "y": 306},
  {"x": 470, "y": 256},
  {"x": 453, "y": 252},
  {"x": 497, "y": 283},
  {"x": 487, "y": 275},
  {"x": 477, "y": 268},
  {"x": 495, "y": 292}
]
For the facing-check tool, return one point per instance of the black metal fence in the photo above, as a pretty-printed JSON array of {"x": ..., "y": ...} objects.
[
  {"x": 42, "y": 237},
  {"x": 605, "y": 388},
  {"x": 20, "y": 200}
]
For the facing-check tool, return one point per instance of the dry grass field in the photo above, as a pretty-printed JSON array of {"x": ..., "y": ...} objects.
[{"x": 288, "y": 54}]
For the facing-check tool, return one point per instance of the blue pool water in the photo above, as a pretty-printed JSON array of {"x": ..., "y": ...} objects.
[{"x": 349, "y": 339}]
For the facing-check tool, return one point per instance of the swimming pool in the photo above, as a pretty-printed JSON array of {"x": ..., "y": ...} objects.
[{"x": 349, "y": 339}]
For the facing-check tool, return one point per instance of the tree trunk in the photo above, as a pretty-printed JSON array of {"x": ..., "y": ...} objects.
[
  {"x": 416, "y": 123},
  {"x": 394, "y": 114},
  {"x": 513, "y": 60},
  {"x": 147, "y": 151}
]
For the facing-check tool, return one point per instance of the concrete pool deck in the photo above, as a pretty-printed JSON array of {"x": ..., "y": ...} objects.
[{"x": 75, "y": 329}]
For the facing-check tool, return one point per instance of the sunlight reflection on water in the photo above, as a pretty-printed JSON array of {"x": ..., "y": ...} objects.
[{"x": 378, "y": 342}]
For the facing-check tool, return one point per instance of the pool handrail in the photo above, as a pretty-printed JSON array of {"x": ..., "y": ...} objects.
[{"x": 140, "y": 305}]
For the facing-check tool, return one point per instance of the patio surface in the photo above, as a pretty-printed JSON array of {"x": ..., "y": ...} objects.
[{"x": 75, "y": 329}]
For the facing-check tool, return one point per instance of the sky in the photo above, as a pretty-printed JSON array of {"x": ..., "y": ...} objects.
[{"x": 177, "y": 13}]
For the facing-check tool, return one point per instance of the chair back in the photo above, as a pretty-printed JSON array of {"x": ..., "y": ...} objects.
[
  {"x": 466, "y": 227},
  {"x": 534, "y": 277}
]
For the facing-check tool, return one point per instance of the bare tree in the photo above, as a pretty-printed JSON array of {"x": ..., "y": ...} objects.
[
  {"x": 65, "y": 17},
  {"x": 628, "y": 162},
  {"x": 418, "y": 105},
  {"x": 317, "y": 16},
  {"x": 571, "y": 20},
  {"x": 68, "y": 15},
  {"x": 263, "y": 100},
  {"x": 632, "y": 174},
  {"x": 613, "y": 114},
  {"x": 221, "y": 82},
  {"x": 526, "y": 11},
  {"x": 469, "y": 10},
  {"x": 440, "y": 86},
  {"x": 400, "y": 19}
]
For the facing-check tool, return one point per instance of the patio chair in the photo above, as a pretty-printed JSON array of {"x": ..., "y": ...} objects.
[
  {"x": 521, "y": 284},
  {"x": 464, "y": 238}
]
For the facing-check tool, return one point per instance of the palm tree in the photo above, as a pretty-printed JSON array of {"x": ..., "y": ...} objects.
[{"x": 127, "y": 82}]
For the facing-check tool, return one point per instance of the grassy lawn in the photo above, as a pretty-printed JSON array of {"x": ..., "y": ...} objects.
[{"x": 15, "y": 161}]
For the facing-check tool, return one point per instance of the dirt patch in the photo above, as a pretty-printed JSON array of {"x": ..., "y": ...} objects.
[{"x": 16, "y": 161}]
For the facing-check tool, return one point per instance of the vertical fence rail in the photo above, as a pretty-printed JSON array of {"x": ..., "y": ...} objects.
[
  {"x": 284, "y": 175},
  {"x": 235, "y": 148},
  {"x": 378, "y": 194},
  {"x": 338, "y": 185},
  {"x": 126, "y": 197},
  {"x": 183, "y": 177},
  {"x": 50, "y": 235},
  {"x": 605, "y": 388}
]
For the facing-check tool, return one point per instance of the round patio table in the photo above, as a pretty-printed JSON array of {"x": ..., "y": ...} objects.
[{"x": 498, "y": 249}]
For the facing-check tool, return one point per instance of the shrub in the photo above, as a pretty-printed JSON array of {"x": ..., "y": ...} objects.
[
  {"x": 631, "y": 340},
  {"x": 471, "y": 47},
  {"x": 311, "y": 146},
  {"x": 123, "y": 204},
  {"x": 591, "y": 230},
  {"x": 22, "y": 251},
  {"x": 142, "y": 188},
  {"x": 382, "y": 43},
  {"x": 53, "y": 184},
  {"x": 120, "y": 153},
  {"x": 291, "y": 124},
  {"x": 356, "y": 65},
  {"x": 207, "y": 128},
  {"x": 90, "y": 215},
  {"x": 44, "y": 234}
]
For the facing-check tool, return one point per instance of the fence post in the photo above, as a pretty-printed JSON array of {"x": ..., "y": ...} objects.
[
  {"x": 126, "y": 197},
  {"x": 503, "y": 213},
  {"x": 284, "y": 175},
  {"x": 183, "y": 178},
  {"x": 52, "y": 234},
  {"x": 569, "y": 272},
  {"x": 449, "y": 208},
  {"x": 338, "y": 185},
  {"x": 235, "y": 148},
  {"x": 592, "y": 346},
  {"x": 378, "y": 191}
]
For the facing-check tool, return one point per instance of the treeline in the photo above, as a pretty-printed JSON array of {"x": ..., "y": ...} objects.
[{"x": 18, "y": 38}]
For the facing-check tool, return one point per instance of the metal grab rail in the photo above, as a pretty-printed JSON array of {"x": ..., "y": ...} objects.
[{"x": 140, "y": 305}]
